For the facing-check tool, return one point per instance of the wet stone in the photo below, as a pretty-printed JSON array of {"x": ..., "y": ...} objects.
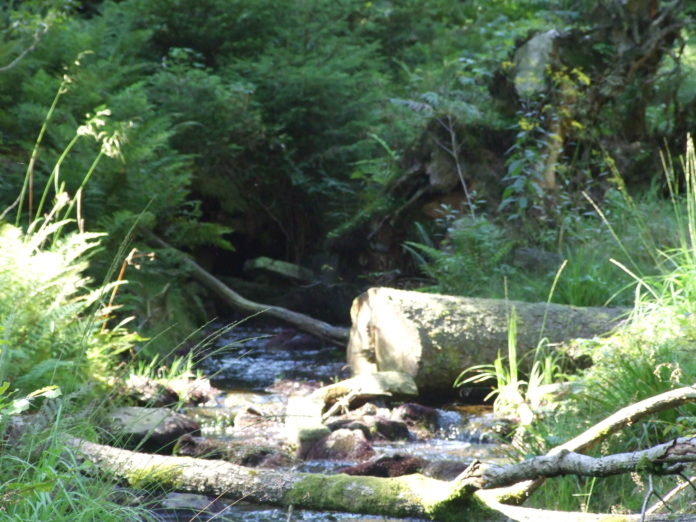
[
  {"x": 148, "y": 392},
  {"x": 234, "y": 452},
  {"x": 150, "y": 429},
  {"x": 342, "y": 445},
  {"x": 350, "y": 424},
  {"x": 388, "y": 429},
  {"x": 444, "y": 469},
  {"x": 416, "y": 416},
  {"x": 388, "y": 466}
]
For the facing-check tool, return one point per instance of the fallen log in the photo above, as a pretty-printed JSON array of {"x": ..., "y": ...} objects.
[
  {"x": 631, "y": 414},
  {"x": 406, "y": 496},
  {"x": 434, "y": 337},
  {"x": 663, "y": 459},
  {"x": 334, "y": 334}
]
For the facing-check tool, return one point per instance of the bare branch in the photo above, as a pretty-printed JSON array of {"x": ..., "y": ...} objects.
[
  {"x": 671, "y": 495},
  {"x": 40, "y": 30},
  {"x": 628, "y": 415},
  {"x": 661, "y": 459},
  {"x": 453, "y": 150},
  {"x": 316, "y": 327},
  {"x": 599, "y": 432}
]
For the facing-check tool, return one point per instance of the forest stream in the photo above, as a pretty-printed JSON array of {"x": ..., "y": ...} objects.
[{"x": 257, "y": 369}]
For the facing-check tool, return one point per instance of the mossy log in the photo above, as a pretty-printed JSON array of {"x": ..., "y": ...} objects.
[
  {"x": 434, "y": 337},
  {"x": 406, "y": 496}
]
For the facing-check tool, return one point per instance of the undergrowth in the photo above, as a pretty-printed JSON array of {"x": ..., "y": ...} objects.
[
  {"x": 652, "y": 353},
  {"x": 58, "y": 339}
]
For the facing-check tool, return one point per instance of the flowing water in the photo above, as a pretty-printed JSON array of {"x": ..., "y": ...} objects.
[{"x": 257, "y": 369}]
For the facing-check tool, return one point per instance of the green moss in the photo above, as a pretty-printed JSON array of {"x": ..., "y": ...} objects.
[
  {"x": 155, "y": 477},
  {"x": 412, "y": 495},
  {"x": 354, "y": 494},
  {"x": 462, "y": 507}
]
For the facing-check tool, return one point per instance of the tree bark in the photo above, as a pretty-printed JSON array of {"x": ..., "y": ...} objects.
[
  {"x": 435, "y": 337},
  {"x": 410, "y": 495},
  {"x": 406, "y": 496},
  {"x": 334, "y": 334},
  {"x": 663, "y": 459}
]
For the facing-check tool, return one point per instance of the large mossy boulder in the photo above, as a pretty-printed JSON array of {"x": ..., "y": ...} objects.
[{"x": 434, "y": 337}]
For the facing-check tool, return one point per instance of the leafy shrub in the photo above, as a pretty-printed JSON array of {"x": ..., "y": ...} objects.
[{"x": 470, "y": 260}]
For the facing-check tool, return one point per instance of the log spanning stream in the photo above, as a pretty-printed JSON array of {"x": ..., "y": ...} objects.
[{"x": 258, "y": 369}]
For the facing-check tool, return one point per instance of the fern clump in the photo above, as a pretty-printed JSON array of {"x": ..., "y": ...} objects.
[
  {"x": 49, "y": 325},
  {"x": 469, "y": 260}
]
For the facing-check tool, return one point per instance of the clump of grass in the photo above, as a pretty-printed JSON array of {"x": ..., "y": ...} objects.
[
  {"x": 652, "y": 353},
  {"x": 512, "y": 393}
]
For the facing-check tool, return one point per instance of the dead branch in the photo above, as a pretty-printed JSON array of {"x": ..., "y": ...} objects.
[
  {"x": 414, "y": 495},
  {"x": 626, "y": 416},
  {"x": 40, "y": 30},
  {"x": 410, "y": 495},
  {"x": 664, "y": 459},
  {"x": 321, "y": 329},
  {"x": 675, "y": 493},
  {"x": 406, "y": 496},
  {"x": 518, "y": 493},
  {"x": 525, "y": 514}
]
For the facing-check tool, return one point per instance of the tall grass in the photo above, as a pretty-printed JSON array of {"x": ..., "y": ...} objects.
[
  {"x": 52, "y": 340},
  {"x": 652, "y": 353},
  {"x": 512, "y": 393}
]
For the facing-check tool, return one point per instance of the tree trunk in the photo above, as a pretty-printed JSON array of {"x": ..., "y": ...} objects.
[
  {"x": 406, "y": 496},
  {"x": 409, "y": 495},
  {"x": 434, "y": 337}
]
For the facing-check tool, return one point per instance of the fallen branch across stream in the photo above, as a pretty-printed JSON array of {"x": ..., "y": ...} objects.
[
  {"x": 407, "y": 496},
  {"x": 663, "y": 459},
  {"x": 631, "y": 414},
  {"x": 474, "y": 495},
  {"x": 335, "y": 334}
]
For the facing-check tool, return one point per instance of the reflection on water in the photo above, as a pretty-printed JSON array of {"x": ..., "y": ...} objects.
[
  {"x": 251, "y": 359},
  {"x": 243, "y": 512}
]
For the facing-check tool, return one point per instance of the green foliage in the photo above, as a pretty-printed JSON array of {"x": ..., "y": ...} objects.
[
  {"x": 470, "y": 259},
  {"x": 512, "y": 393},
  {"x": 651, "y": 354},
  {"x": 50, "y": 334},
  {"x": 44, "y": 479}
]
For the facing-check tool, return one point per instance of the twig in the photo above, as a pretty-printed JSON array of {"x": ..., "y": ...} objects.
[
  {"x": 41, "y": 29},
  {"x": 9, "y": 209},
  {"x": 453, "y": 150},
  {"x": 673, "y": 494},
  {"x": 651, "y": 492},
  {"x": 666, "y": 458}
]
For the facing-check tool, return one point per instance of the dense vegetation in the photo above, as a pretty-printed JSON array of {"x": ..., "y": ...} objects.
[{"x": 394, "y": 142}]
